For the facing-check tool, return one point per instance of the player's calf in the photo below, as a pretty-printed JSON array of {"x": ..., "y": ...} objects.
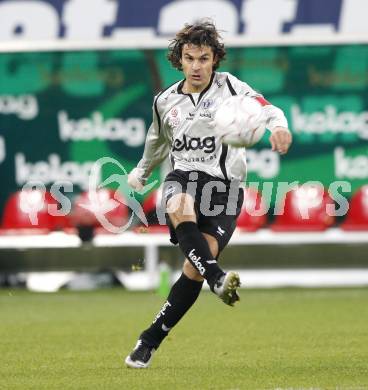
[{"x": 197, "y": 251}]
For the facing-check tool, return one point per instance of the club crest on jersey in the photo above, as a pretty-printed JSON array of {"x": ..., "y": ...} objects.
[{"x": 207, "y": 103}]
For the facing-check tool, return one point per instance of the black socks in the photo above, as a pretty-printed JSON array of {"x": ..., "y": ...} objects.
[
  {"x": 195, "y": 248},
  {"x": 182, "y": 296},
  {"x": 185, "y": 291}
]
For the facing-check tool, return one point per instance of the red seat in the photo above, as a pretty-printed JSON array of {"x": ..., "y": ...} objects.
[
  {"x": 152, "y": 201},
  {"x": 106, "y": 202},
  {"x": 29, "y": 211},
  {"x": 253, "y": 213},
  {"x": 357, "y": 216},
  {"x": 305, "y": 209}
]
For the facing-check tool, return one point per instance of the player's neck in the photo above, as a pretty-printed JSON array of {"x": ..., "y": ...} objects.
[{"x": 188, "y": 88}]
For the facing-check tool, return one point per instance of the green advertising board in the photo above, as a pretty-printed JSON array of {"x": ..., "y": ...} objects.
[{"x": 61, "y": 111}]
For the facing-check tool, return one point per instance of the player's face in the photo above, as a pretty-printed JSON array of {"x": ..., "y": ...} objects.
[{"x": 197, "y": 63}]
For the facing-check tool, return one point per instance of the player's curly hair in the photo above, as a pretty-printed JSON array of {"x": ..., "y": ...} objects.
[{"x": 201, "y": 33}]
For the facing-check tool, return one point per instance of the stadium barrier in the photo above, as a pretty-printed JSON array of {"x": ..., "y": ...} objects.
[{"x": 329, "y": 258}]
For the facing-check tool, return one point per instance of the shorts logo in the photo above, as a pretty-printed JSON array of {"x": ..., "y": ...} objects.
[
  {"x": 207, "y": 144},
  {"x": 220, "y": 231}
]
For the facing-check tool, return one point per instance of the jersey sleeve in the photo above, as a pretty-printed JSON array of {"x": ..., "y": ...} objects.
[
  {"x": 156, "y": 147},
  {"x": 275, "y": 117}
]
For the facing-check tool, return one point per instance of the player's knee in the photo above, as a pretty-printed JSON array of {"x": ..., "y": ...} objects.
[
  {"x": 180, "y": 203},
  {"x": 180, "y": 208}
]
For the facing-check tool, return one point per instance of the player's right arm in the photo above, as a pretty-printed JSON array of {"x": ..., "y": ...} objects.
[{"x": 156, "y": 150}]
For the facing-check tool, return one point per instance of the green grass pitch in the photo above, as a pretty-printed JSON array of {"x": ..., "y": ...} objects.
[{"x": 274, "y": 339}]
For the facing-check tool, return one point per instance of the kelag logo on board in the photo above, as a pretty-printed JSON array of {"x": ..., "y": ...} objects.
[
  {"x": 330, "y": 120},
  {"x": 131, "y": 131},
  {"x": 23, "y": 106}
]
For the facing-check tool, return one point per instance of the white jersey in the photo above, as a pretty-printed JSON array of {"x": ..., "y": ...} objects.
[{"x": 181, "y": 128}]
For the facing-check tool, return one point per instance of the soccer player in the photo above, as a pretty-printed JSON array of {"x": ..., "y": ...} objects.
[{"x": 201, "y": 193}]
